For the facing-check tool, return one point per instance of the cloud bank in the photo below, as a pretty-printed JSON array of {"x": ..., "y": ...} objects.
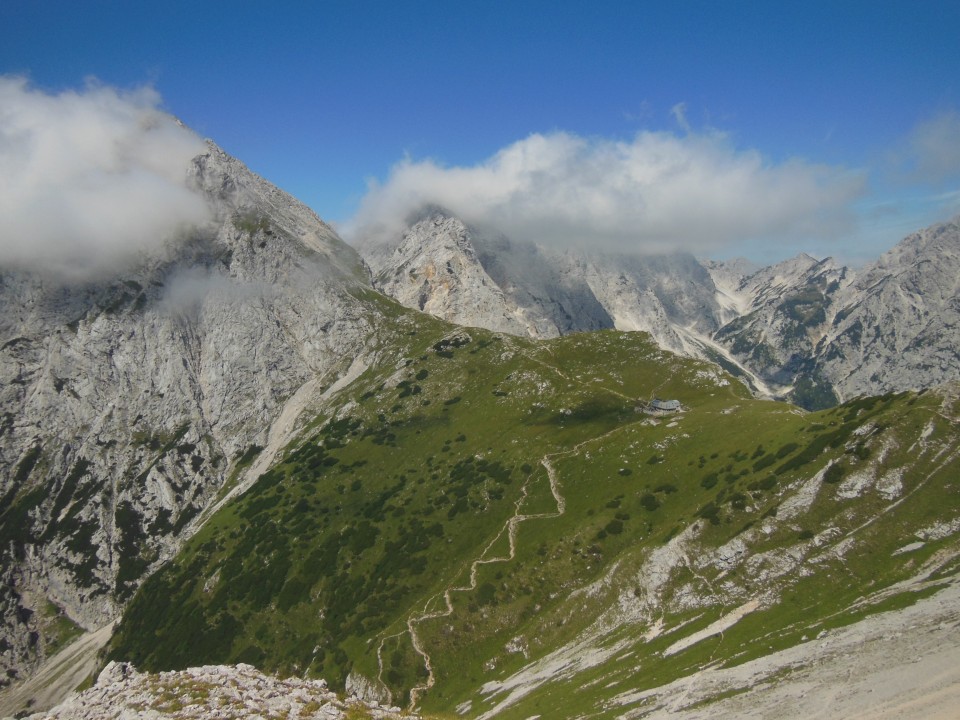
[
  {"x": 90, "y": 178},
  {"x": 659, "y": 192},
  {"x": 934, "y": 149}
]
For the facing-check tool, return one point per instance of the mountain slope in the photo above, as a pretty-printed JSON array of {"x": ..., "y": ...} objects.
[
  {"x": 897, "y": 325},
  {"x": 804, "y": 330},
  {"x": 464, "y": 276},
  {"x": 129, "y": 401},
  {"x": 479, "y": 278},
  {"x": 486, "y": 523},
  {"x": 516, "y": 522},
  {"x": 783, "y": 312}
]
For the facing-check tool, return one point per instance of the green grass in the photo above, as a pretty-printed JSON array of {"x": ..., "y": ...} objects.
[
  {"x": 390, "y": 497},
  {"x": 58, "y": 630}
]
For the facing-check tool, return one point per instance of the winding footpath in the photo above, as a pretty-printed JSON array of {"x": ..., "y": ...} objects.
[{"x": 511, "y": 527}]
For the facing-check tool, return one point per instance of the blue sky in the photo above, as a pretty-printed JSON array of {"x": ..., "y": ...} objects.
[{"x": 322, "y": 97}]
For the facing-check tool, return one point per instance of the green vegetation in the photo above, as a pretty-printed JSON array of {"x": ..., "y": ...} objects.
[
  {"x": 501, "y": 499},
  {"x": 252, "y": 222},
  {"x": 58, "y": 630},
  {"x": 813, "y": 393}
]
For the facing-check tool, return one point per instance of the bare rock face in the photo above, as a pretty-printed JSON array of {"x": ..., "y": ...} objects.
[
  {"x": 478, "y": 277},
  {"x": 805, "y": 330},
  {"x": 672, "y": 297},
  {"x": 127, "y": 402},
  {"x": 897, "y": 326},
  {"x": 435, "y": 268},
  {"x": 826, "y": 333},
  {"x": 782, "y": 312}
]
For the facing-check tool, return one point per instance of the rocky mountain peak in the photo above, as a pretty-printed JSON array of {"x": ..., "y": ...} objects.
[
  {"x": 939, "y": 240},
  {"x": 128, "y": 402},
  {"x": 779, "y": 326}
]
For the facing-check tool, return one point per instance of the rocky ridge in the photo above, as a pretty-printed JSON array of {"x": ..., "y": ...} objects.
[
  {"x": 469, "y": 277},
  {"x": 128, "y": 402},
  {"x": 480, "y": 278},
  {"x": 805, "y": 330},
  {"x": 211, "y": 691},
  {"x": 897, "y": 323}
]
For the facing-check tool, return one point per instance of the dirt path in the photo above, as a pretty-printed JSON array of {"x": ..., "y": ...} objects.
[
  {"x": 510, "y": 527},
  {"x": 58, "y": 676}
]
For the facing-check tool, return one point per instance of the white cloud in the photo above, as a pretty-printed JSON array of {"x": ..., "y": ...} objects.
[
  {"x": 90, "y": 178},
  {"x": 656, "y": 193},
  {"x": 191, "y": 287},
  {"x": 934, "y": 149},
  {"x": 679, "y": 112}
]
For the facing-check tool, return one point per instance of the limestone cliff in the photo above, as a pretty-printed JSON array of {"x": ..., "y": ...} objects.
[{"x": 127, "y": 402}]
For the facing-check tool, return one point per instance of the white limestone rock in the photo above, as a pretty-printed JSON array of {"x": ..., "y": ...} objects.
[
  {"x": 211, "y": 691},
  {"x": 804, "y": 329},
  {"x": 126, "y": 401}
]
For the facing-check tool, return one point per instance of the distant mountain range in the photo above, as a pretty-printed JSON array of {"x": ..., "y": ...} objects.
[{"x": 804, "y": 330}]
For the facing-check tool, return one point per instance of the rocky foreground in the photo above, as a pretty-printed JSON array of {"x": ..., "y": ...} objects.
[{"x": 212, "y": 691}]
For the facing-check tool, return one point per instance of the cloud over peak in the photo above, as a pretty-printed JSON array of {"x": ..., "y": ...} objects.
[
  {"x": 655, "y": 193},
  {"x": 90, "y": 178}
]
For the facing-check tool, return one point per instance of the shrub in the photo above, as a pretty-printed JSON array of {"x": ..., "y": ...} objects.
[
  {"x": 710, "y": 512},
  {"x": 834, "y": 474},
  {"x": 786, "y": 450},
  {"x": 486, "y": 594},
  {"x": 614, "y": 527},
  {"x": 649, "y": 502}
]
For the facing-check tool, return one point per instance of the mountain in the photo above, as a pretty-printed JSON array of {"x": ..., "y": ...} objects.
[
  {"x": 896, "y": 324},
  {"x": 503, "y": 527},
  {"x": 461, "y": 275},
  {"x": 805, "y": 330},
  {"x": 258, "y": 459},
  {"x": 480, "y": 278},
  {"x": 782, "y": 312},
  {"x": 129, "y": 403}
]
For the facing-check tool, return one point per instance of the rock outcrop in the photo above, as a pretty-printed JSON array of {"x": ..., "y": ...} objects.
[
  {"x": 897, "y": 324},
  {"x": 480, "y": 278},
  {"x": 211, "y": 691},
  {"x": 128, "y": 402}
]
